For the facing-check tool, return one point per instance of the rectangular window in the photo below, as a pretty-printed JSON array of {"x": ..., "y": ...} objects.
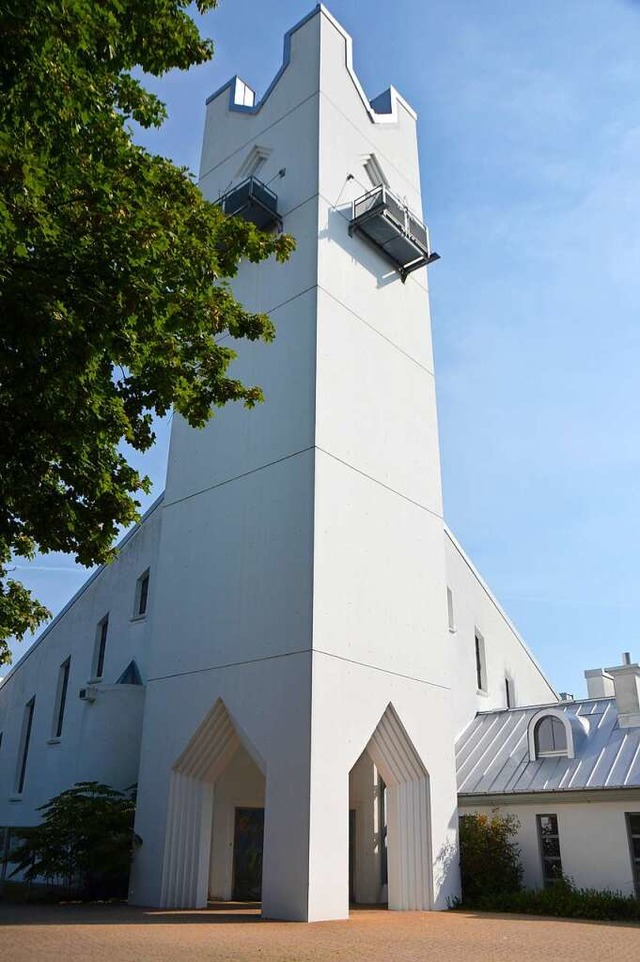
[
  {"x": 61, "y": 697},
  {"x": 452, "y": 624},
  {"x": 25, "y": 738},
  {"x": 142, "y": 595},
  {"x": 481, "y": 666},
  {"x": 549, "y": 848},
  {"x": 633, "y": 824},
  {"x": 101, "y": 647}
]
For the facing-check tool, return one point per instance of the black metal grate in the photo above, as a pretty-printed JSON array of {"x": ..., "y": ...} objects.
[
  {"x": 253, "y": 201},
  {"x": 387, "y": 223}
]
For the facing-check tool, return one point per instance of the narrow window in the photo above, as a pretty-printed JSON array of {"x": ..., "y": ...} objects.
[
  {"x": 510, "y": 691},
  {"x": 25, "y": 738},
  {"x": 549, "y": 848},
  {"x": 382, "y": 822},
  {"x": 101, "y": 647},
  {"x": 481, "y": 668},
  {"x": 61, "y": 697},
  {"x": 633, "y": 824},
  {"x": 142, "y": 595},
  {"x": 452, "y": 624},
  {"x": 550, "y": 737}
]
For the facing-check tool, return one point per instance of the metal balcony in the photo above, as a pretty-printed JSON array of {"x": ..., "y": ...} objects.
[
  {"x": 389, "y": 225},
  {"x": 253, "y": 201}
]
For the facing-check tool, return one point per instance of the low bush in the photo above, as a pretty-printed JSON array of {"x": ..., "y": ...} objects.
[
  {"x": 562, "y": 899},
  {"x": 492, "y": 879}
]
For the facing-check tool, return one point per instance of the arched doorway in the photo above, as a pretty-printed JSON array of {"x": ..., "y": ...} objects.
[
  {"x": 217, "y": 773},
  {"x": 391, "y": 828}
]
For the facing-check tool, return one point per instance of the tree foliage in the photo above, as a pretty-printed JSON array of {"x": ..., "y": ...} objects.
[
  {"x": 84, "y": 843},
  {"x": 113, "y": 269},
  {"x": 489, "y": 856}
]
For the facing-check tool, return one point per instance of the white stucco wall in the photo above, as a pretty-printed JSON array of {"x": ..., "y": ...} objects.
[
  {"x": 100, "y": 739},
  {"x": 236, "y": 568},
  {"x": 506, "y": 654},
  {"x": 594, "y": 840}
]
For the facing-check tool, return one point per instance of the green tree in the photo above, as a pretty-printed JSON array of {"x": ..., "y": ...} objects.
[
  {"x": 489, "y": 856},
  {"x": 84, "y": 843},
  {"x": 113, "y": 277}
]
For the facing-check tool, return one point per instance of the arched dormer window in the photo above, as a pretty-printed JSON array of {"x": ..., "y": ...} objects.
[
  {"x": 550, "y": 738},
  {"x": 553, "y": 732}
]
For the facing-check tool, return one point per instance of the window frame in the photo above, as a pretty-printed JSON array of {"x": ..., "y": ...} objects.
[
  {"x": 635, "y": 859},
  {"x": 451, "y": 612},
  {"x": 548, "y": 879},
  {"x": 100, "y": 648},
  {"x": 141, "y": 594},
  {"x": 480, "y": 657},
  {"x": 574, "y": 726},
  {"x": 556, "y": 724},
  {"x": 60, "y": 704},
  {"x": 25, "y": 742}
]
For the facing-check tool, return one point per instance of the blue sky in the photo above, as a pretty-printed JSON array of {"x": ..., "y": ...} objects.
[{"x": 530, "y": 147}]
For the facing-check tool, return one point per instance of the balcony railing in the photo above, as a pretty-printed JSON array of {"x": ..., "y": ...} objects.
[
  {"x": 253, "y": 201},
  {"x": 389, "y": 225}
]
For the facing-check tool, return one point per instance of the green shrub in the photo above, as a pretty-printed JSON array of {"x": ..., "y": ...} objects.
[
  {"x": 489, "y": 856},
  {"x": 84, "y": 844},
  {"x": 562, "y": 899}
]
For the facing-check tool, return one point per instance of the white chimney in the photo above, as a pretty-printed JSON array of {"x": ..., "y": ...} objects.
[
  {"x": 599, "y": 683},
  {"x": 626, "y": 683}
]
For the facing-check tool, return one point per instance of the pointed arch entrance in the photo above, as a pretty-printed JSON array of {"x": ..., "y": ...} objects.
[
  {"x": 209, "y": 752},
  {"x": 408, "y": 816}
]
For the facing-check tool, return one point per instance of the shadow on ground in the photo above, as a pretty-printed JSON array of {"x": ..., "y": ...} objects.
[{"x": 75, "y": 913}]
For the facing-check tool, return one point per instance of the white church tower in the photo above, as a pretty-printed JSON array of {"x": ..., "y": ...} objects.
[{"x": 300, "y": 662}]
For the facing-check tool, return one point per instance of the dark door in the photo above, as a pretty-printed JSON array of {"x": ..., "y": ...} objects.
[{"x": 247, "y": 854}]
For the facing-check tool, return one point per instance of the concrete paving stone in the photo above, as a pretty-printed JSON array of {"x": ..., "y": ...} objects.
[{"x": 229, "y": 933}]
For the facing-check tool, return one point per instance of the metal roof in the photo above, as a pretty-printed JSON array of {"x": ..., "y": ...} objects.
[{"x": 492, "y": 754}]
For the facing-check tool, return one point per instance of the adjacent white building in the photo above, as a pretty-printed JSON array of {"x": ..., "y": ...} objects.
[
  {"x": 570, "y": 774},
  {"x": 291, "y": 640}
]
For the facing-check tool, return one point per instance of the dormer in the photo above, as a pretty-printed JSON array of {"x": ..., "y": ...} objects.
[{"x": 554, "y": 734}]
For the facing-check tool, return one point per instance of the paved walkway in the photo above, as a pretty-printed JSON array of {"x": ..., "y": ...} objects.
[{"x": 234, "y": 934}]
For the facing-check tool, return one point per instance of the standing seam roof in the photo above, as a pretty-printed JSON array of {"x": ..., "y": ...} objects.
[{"x": 492, "y": 754}]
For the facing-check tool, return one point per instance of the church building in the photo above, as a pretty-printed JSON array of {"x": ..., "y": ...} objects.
[{"x": 291, "y": 640}]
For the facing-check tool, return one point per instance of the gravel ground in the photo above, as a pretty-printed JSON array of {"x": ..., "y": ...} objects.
[{"x": 123, "y": 934}]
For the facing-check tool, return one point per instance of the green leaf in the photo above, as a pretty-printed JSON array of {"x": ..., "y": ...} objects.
[{"x": 113, "y": 276}]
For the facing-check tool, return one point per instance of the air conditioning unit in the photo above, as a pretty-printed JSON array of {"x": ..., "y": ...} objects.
[{"x": 88, "y": 694}]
